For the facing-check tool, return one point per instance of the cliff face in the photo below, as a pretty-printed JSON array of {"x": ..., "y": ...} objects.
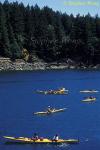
[{"x": 7, "y": 65}]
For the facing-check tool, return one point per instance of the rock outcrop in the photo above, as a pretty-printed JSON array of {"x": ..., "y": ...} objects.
[{"x": 19, "y": 64}]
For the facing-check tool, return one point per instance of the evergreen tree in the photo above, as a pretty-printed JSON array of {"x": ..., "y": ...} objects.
[
  {"x": 4, "y": 40},
  {"x": 97, "y": 22},
  {"x": 17, "y": 22},
  {"x": 14, "y": 47}
]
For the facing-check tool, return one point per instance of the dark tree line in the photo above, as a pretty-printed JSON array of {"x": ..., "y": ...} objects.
[{"x": 50, "y": 35}]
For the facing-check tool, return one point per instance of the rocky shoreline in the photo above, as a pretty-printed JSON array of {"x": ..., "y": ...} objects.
[{"x": 20, "y": 65}]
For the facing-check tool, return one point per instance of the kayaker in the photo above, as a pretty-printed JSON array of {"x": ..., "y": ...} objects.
[
  {"x": 56, "y": 138},
  {"x": 35, "y": 137},
  {"x": 49, "y": 109},
  {"x": 91, "y": 97},
  {"x": 62, "y": 90},
  {"x": 50, "y": 91}
]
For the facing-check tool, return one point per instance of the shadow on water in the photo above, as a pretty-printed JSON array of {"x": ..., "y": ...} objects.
[
  {"x": 21, "y": 143},
  {"x": 41, "y": 146}
]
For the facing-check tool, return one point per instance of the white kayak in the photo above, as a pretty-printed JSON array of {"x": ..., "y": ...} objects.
[
  {"x": 89, "y": 91},
  {"x": 47, "y": 113},
  {"x": 89, "y": 100}
]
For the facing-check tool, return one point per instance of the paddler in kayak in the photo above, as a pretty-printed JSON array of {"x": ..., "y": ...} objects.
[
  {"x": 35, "y": 137},
  {"x": 56, "y": 138},
  {"x": 50, "y": 92},
  {"x": 50, "y": 109},
  {"x": 91, "y": 97},
  {"x": 60, "y": 91},
  {"x": 40, "y": 140}
]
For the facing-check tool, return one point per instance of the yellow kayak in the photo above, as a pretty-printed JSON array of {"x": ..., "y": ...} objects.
[
  {"x": 53, "y": 111},
  {"x": 62, "y": 91},
  {"x": 50, "y": 93},
  {"x": 89, "y": 99},
  {"x": 39, "y": 141}
]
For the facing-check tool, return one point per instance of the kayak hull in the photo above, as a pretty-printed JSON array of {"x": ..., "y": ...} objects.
[
  {"x": 53, "y": 92},
  {"x": 47, "y": 113},
  {"x": 46, "y": 93},
  {"x": 89, "y": 100},
  {"x": 25, "y": 140},
  {"x": 87, "y": 91}
]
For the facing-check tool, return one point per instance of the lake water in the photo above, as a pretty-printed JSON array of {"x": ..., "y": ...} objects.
[{"x": 18, "y": 102}]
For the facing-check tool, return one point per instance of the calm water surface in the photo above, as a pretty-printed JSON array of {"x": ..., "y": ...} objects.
[{"x": 18, "y": 102}]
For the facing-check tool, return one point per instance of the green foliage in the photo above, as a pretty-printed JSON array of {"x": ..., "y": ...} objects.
[
  {"x": 15, "y": 50},
  {"x": 4, "y": 40},
  {"x": 50, "y": 35}
]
